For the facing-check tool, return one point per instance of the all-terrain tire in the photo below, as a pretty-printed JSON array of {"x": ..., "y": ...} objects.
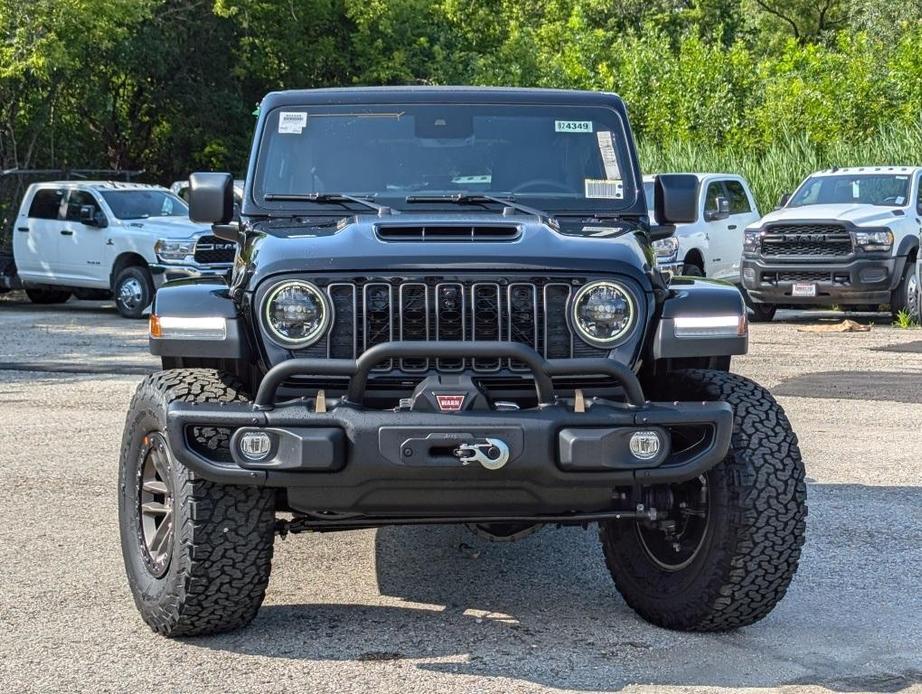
[
  {"x": 753, "y": 537},
  {"x": 221, "y": 551},
  {"x": 762, "y": 313},
  {"x": 48, "y": 296}
]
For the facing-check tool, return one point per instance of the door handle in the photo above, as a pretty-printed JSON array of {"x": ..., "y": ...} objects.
[
  {"x": 24, "y": 230},
  {"x": 66, "y": 232},
  {"x": 732, "y": 226}
]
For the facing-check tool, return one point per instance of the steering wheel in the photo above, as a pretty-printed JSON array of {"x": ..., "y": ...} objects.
[{"x": 546, "y": 182}]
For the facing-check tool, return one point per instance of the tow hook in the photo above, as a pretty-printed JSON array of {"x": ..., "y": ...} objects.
[{"x": 492, "y": 454}]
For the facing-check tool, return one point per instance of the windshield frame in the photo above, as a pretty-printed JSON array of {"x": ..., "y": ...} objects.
[
  {"x": 183, "y": 205},
  {"x": 255, "y": 203},
  {"x": 848, "y": 175}
]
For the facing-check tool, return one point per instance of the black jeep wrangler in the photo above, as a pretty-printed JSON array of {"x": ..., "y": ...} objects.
[{"x": 445, "y": 308}]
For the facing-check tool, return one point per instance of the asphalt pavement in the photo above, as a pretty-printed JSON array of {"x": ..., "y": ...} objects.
[{"x": 429, "y": 609}]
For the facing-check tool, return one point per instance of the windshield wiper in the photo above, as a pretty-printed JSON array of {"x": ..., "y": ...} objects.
[
  {"x": 467, "y": 198},
  {"x": 327, "y": 197}
]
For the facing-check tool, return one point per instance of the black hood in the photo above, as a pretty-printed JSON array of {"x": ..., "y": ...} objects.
[{"x": 354, "y": 245}]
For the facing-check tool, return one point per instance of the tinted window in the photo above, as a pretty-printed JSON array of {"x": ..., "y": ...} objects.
[
  {"x": 739, "y": 202},
  {"x": 553, "y": 157},
  {"x": 715, "y": 190},
  {"x": 76, "y": 200},
  {"x": 144, "y": 203},
  {"x": 46, "y": 204}
]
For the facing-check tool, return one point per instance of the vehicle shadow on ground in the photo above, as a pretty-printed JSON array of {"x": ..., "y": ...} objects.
[
  {"x": 809, "y": 317},
  {"x": 545, "y": 610}
]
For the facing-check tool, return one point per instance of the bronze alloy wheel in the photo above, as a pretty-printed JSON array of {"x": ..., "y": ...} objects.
[
  {"x": 676, "y": 546},
  {"x": 155, "y": 504}
]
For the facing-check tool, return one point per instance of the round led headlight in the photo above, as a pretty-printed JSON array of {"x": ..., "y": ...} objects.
[
  {"x": 603, "y": 313},
  {"x": 296, "y": 314}
]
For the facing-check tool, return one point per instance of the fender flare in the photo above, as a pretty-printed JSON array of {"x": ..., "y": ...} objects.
[{"x": 700, "y": 298}]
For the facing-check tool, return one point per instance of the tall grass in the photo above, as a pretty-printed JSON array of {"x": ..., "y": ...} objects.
[{"x": 781, "y": 166}]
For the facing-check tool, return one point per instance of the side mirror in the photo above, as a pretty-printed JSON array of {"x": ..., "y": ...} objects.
[
  {"x": 783, "y": 200},
  {"x": 211, "y": 198},
  {"x": 675, "y": 198},
  {"x": 88, "y": 215},
  {"x": 722, "y": 211},
  {"x": 99, "y": 219}
]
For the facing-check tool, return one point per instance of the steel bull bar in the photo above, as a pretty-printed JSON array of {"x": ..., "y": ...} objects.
[{"x": 554, "y": 459}]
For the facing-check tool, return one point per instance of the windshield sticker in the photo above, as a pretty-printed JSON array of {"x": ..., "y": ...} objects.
[
  {"x": 856, "y": 190},
  {"x": 899, "y": 200},
  {"x": 292, "y": 122},
  {"x": 485, "y": 179},
  {"x": 609, "y": 158},
  {"x": 572, "y": 126},
  {"x": 607, "y": 189}
]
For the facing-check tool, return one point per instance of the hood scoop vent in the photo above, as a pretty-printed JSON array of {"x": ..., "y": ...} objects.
[{"x": 447, "y": 233}]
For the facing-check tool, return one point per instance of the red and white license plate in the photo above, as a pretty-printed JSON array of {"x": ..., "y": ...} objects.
[{"x": 803, "y": 289}]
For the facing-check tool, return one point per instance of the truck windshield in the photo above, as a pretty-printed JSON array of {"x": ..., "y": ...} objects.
[
  {"x": 140, "y": 204},
  {"x": 555, "y": 158},
  {"x": 889, "y": 190}
]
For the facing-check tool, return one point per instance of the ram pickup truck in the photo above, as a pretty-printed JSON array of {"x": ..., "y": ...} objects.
[
  {"x": 711, "y": 245},
  {"x": 97, "y": 239},
  {"x": 848, "y": 237},
  {"x": 445, "y": 308}
]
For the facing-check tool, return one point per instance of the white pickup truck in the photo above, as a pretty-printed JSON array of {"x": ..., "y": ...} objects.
[
  {"x": 847, "y": 237},
  {"x": 95, "y": 239},
  {"x": 711, "y": 246}
]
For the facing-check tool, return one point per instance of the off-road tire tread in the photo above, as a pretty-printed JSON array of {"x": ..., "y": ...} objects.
[
  {"x": 227, "y": 536},
  {"x": 46, "y": 297},
  {"x": 750, "y": 570}
]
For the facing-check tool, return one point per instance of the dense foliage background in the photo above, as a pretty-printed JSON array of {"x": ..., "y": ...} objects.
[{"x": 771, "y": 88}]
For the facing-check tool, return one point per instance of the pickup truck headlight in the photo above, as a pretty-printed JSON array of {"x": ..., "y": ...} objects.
[
  {"x": 751, "y": 240},
  {"x": 170, "y": 251},
  {"x": 666, "y": 249},
  {"x": 296, "y": 314},
  {"x": 874, "y": 240},
  {"x": 603, "y": 312}
]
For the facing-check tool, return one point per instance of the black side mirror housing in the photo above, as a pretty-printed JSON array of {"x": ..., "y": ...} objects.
[
  {"x": 211, "y": 198},
  {"x": 88, "y": 215},
  {"x": 783, "y": 200},
  {"x": 722, "y": 211},
  {"x": 675, "y": 198}
]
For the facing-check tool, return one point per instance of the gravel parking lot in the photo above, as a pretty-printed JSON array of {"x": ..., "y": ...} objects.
[{"x": 437, "y": 609}]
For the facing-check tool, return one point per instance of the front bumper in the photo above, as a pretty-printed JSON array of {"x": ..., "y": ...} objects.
[
  {"x": 405, "y": 463},
  {"x": 857, "y": 281},
  {"x": 163, "y": 273}
]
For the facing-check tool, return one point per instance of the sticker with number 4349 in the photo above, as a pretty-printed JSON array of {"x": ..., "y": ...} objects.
[{"x": 573, "y": 126}]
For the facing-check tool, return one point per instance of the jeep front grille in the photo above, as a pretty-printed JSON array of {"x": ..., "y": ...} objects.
[
  {"x": 369, "y": 312},
  {"x": 210, "y": 250},
  {"x": 805, "y": 240}
]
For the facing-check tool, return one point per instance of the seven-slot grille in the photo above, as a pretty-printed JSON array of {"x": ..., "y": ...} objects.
[
  {"x": 367, "y": 313},
  {"x": 826, "y": 240},
  {"x": 212, "y": 250}
]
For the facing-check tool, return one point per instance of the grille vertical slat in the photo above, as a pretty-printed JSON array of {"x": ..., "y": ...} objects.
[
  {"x": 378, "y": 317},
  {"x": 414, "y": 320},
  {"x": 486, "y": 324},
  {"x": 450, "y": 305},
  {"x": 558, "y": 340},
  {"x": 522, "y": 307},
  {"x": 341, "y": 340}
]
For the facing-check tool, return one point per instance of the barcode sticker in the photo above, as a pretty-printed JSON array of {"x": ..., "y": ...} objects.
[
  {"x": 609, "y": 156},
  {"x": 292, "y": 122},
  {"x": 572, "y": 126},
  {"x": 607, "y": 189}
]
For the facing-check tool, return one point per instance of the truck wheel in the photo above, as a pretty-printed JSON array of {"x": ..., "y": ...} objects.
[
  {"x": 762, "y": 313},
  {"x": 736, "y": 532},
  {"x": 906, "y": 295},
  {"x": 691, "y": 270},
  {"x": 197, "y": 553},
  {"x": 134, "y": 290},
  {"x": 48, "y": 296}
]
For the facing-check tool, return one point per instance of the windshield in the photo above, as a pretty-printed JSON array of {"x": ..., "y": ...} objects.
[
  {"x": 555, "y": 158},
  {"x": 140, "y": 204},
  {"x": 858, "y": 189}
]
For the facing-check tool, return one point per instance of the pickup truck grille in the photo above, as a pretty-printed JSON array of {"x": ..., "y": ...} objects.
[
  {"x": 372, "y": 311},
  {"x": 804, "y": 240},
  {"x": 210, "y": 250}
]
